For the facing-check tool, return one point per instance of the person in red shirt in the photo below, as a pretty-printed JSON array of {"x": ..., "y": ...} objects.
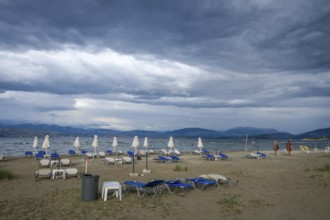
[
  {"x": 275, "y": 146},
  {"x": 289, "y": 147}
]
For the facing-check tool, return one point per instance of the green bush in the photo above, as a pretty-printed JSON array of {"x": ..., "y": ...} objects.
[
  {"x": 5, "y": 174},
  {"x": 179, "y": 168},
  {"x": 325, "y": 168}
]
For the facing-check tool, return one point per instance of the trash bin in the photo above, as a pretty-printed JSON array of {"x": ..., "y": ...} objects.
[{"x": 90, "y": 186}]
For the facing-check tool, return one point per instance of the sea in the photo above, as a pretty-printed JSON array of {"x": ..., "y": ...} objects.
[{"x": 16, "y": 147}]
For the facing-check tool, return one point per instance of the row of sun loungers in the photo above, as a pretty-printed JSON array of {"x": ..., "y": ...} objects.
[
  {"x": 53, "y": 173},
  {"x": 156, "y": 187}
]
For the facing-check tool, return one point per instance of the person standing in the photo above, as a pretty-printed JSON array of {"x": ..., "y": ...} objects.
[
  {"x": 275, "y": 146},
  {"x": 289, "y": 147}
]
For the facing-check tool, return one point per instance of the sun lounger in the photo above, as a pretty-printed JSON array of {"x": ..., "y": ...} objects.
[
  {"x": 211, "y": 157},
  {"x": 199, "y": 181},
  {"x": 127, "y": 160},
  {"x": 89, "y": 155},
  {"x": 220, "y": 179},
  {"x": 223, "y": 156},
  {"x": 261, "y": 155},
  {"x": 44, "y": 163},
  {"x": 130, "y": 153},
  {"x": 143, "y": 188},
  {"x": 72, "y": 172},
  {"x": 163, "y": 151},
  {"x": 39, "y": 156},
  {"x": 109, "y": 160},
  {"x": 65, "y": 162},
  {"x": 173, "y": 185},
  {"x": 197, "y": 152},
  {"x": 252, "y": 156},
  {"x": 43, "y": 172},
  {"x": 142, "y": 153},
  {"x": 304, "y": 149},
  {"x": 101, "y": 154},
  {"x": 175, "y": 158},
  {"x": 176, "y": 152},
  {"x": 54, "y": 156},
  {"x": 72, "y": 152},
  {"x": 28, "y": 153},
  {"x": 109, "y": 152},
  {"x": 204, "y": 151},
  {"x": 163, "y": 159},
  {"x": 151, "y": 151}
]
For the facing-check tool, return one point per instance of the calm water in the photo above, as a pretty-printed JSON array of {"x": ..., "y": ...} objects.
[{"x": 17, "y": 146}]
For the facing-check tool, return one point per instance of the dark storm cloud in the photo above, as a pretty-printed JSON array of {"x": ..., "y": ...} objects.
[
  {"x": 192, "y": 62},
  {"x": 294, "y": 35}
]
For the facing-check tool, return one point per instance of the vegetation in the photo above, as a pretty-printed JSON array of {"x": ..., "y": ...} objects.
[
  {"x": 232, "y": 203},
  {"x": 178, "y": 168},
  {"x": 5, "y": 174},
  {"x": 325, "y": 168}
]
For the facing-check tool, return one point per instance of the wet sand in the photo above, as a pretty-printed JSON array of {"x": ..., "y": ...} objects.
[{"x": 278, "y": 187}]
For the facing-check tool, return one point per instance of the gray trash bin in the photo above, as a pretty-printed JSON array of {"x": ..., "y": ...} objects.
[{"x": 90, "y": 186}]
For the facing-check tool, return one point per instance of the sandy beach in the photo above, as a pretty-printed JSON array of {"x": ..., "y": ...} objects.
[{"x": 278, "y": 187}]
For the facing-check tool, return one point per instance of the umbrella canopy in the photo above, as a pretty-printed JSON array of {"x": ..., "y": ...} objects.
[
  {"x": 136, "y": 143},
  {"x": 145, "y": 143},
  {"x": 76, "y": 143},
  {"x": 170, "y": 143},
  {"x": 35, "y": 144},
  {"x": 45, "y": 144},
  {"x": 114, "y": 144},
  {"x": 95, "y": 143},
  {"x": 199, "y": 143}
]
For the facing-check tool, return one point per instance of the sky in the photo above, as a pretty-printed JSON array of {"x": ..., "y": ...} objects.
[{"x": 166, "y": 65}]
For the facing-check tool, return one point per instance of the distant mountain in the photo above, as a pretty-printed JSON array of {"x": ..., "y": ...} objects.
[
  {"x": 194, "y": 132},
  {"x": 277, "y": 135},
  {"x": 319, "y": 133},
  {"x": 31, "y": 130},
  {"x": 242, "y": 131}
]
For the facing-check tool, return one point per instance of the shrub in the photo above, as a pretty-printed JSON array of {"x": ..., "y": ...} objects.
[
  {"x": 5, "y": 174},
  {"x": 325, "y": 168},
  {"x": 179, "y": 168}
]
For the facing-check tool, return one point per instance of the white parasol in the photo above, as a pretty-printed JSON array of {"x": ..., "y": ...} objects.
[
  {"x": 136, "y": 143},
  {"x": 145, "y": 143},
  {"x": 35, "y": 144},
  {"x": 170, "y": 144},
  {"x": 46, "y": 144},
  {"x": 114, "y": 144},
  {"x": 76, "y": 143},
  {"x": 200, "y": 144},
  {"x": 95, "y": 143}
]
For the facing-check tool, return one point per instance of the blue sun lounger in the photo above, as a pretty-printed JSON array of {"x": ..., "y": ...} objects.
[
  {"x": 143, "y": 188},
  {"x": 109, "y": 152},
  {"x": 175, "y": 158},
  {"x": 199, "y": 181},
  {"x": 28, "y": 153},
  {"x": 175, "y": 185},
  {"x": 210, "y": 157},
  {"x": 163, "y": 159},
  {"x": 262, "y": 155},
  {"x": 72, "y": 152},
  {"x": 223, "y": 156}
]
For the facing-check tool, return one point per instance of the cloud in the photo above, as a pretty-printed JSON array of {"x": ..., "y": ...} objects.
[{"x": 162, "y": 65}]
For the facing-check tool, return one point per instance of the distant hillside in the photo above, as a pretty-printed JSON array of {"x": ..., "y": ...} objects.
[
  {"x": 319, "y": 133},
  {"x": 194, "y": 132},
  {"x": 242, "y": 131},
  {"x": 277, "y": 135},
  {"x": 31, "y": 130}
]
